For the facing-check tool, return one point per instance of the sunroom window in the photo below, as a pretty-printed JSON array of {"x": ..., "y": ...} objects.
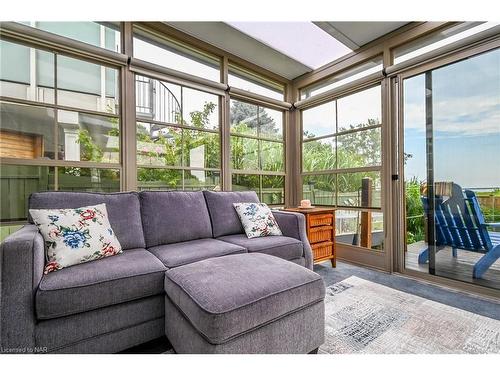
[{"x": 175, "y": 55}]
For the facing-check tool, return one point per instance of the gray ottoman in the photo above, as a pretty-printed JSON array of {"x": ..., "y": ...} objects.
[{"x": 244, "y": 303}]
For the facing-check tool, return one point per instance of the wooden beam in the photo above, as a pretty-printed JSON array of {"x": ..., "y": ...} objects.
[{"x": 366, "y": 217}]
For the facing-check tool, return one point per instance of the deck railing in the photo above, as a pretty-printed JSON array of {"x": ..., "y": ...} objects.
[
  {"x": 327, "y": 198},
  {"x": 489, "y": 201}
]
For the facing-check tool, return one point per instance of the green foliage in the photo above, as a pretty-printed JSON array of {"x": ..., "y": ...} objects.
[
  {"x": 356, "y": 149},
  {"x": 494, "y": 193},
  {"x": 173, "y": 148},
  {"x": 246, "y": 182},
  {"x": 253, "y": 118},
  {"x": 361, "y": 148},
  {"x": 414, "y": 212},
  {"x": 162, "y": 146},
  {"x": 201, "y": 119},
  {"x": 490, "y": 207},
  {"x": 170, "y": 178},
  {"x": 272, "y": 156},
  {"x": 415, "y": 220},
  {"x": 89, "y": 150},
  {"x": 318, "y": 156},
  {"x": 253, "y": 154},
  {"x": 244, "y": 151}
]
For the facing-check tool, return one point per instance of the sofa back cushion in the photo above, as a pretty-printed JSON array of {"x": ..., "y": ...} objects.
[
  {"x": 225, "y": 220},
  {"x": 123, "y": 211},
  {"x": 174, "y": 216}
]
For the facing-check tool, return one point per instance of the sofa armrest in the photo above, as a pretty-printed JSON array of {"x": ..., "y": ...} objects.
[
  {"x": 293, "y": 224},
  {"x": 22, "y": 259}
]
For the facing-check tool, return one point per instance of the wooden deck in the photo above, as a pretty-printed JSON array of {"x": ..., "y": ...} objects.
[{"x": 459, "y": 268}]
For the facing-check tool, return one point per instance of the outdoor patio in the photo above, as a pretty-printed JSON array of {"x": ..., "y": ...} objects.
[{"x": 456, "y": 268}]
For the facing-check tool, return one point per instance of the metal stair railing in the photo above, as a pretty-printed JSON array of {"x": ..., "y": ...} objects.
[{"x": 155, "y": 101}]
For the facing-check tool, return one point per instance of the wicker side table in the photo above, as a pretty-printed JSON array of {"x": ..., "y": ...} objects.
[{"x": 320, "y": 225}]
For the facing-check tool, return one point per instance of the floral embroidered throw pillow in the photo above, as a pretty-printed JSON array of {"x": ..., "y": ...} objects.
[
  {"x": 76, "y": 235},
  {"x": 257, "y": 220}
]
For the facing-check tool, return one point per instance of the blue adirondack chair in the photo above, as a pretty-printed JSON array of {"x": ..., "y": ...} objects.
[{"x": 460, "y": 224}]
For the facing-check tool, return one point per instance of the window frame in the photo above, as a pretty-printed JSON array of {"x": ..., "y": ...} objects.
[
  {"x": 255, "y": 79},
  {"x": 434, "y": 41},
  {"x": 171, "y": 125},
  {"x": 259, "y": 171},
  {"x": 399, "y": 194},
  {"x": 56, "y": 164},
  {"x": 167, "y": 42},
  {"x": 111, "y": 25},
  {"x": 353, "y": 73},
  {"x": 57, "y": 107},
  {"x": 338, "y": 171}
]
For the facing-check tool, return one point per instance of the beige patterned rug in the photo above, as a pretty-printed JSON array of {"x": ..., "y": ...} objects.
[{"x": 366, "y": 317}]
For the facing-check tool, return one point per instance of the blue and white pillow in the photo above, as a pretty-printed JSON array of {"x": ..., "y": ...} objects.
[
  {"x": 257, "y": 220},
  {"x": 76, "y": 235}
]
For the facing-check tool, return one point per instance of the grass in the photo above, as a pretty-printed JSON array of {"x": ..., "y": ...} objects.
[{"x": 494, "y": 193}]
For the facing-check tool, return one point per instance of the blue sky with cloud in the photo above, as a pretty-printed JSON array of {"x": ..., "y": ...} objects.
[{"x": 466, "y": 118}]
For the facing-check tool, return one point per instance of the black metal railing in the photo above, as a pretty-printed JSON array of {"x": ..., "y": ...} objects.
[{"x": 155, "y": 101}]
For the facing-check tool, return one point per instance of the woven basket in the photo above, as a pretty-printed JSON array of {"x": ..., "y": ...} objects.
[
  {"x": 322, "y": 250},
  {"x": 321, "y": 234},
  {"x": 318, "y": 220}
]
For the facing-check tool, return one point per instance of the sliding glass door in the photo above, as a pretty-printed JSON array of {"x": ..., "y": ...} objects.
[{"x": 451, "y": 168}]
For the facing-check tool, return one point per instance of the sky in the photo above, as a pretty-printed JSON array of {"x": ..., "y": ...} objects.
[
  {"x": 352, "y": 109},
  {"x": 466, "y": 121}
]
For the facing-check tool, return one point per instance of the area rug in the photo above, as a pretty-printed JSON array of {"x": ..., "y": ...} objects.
[{"x": 366, "y": 317}]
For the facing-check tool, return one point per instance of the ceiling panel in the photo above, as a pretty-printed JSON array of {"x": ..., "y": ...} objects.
[
  {"x": 230, "y": 39},
  {"x": 302, "y": 41},
  {"x": 227, "y": 38},
  {"x": 357, "y": 34}
]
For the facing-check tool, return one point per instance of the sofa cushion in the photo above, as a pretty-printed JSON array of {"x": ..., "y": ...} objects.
[
  {"x": 299, "y": 261},
  {"x": 226, "y": 297},
  {"x": 75, "y": 235},
  {"x": 178, "y": 254},
  {"x": 281, "y": 246},
  {"x": 58, "y": 333},
  {"x": 174, "y": 216},
  {"x": 257, "y": 220},
  {"x": 123, "y": 211},
  {"x": 134, "y": 274},
  {"x": 224, "y": 218}
]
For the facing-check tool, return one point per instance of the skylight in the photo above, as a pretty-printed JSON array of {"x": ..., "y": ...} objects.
[{"x": 302, "y": 41}]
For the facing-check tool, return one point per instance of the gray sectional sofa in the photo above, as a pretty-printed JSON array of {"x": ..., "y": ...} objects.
[{"x": 115, "y": 303}]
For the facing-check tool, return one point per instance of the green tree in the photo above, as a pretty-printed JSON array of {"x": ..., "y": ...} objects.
[
  {"x": 361, "y": 148},
  {"x": 256, "y": 119},
  {"x": 247, "y": 153},
  {"x": 161, "y": 146},
  {"x": 356, "y": 149},
  {"x": 172, "y": 148},
  {"x": 90, "y": 150}
]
